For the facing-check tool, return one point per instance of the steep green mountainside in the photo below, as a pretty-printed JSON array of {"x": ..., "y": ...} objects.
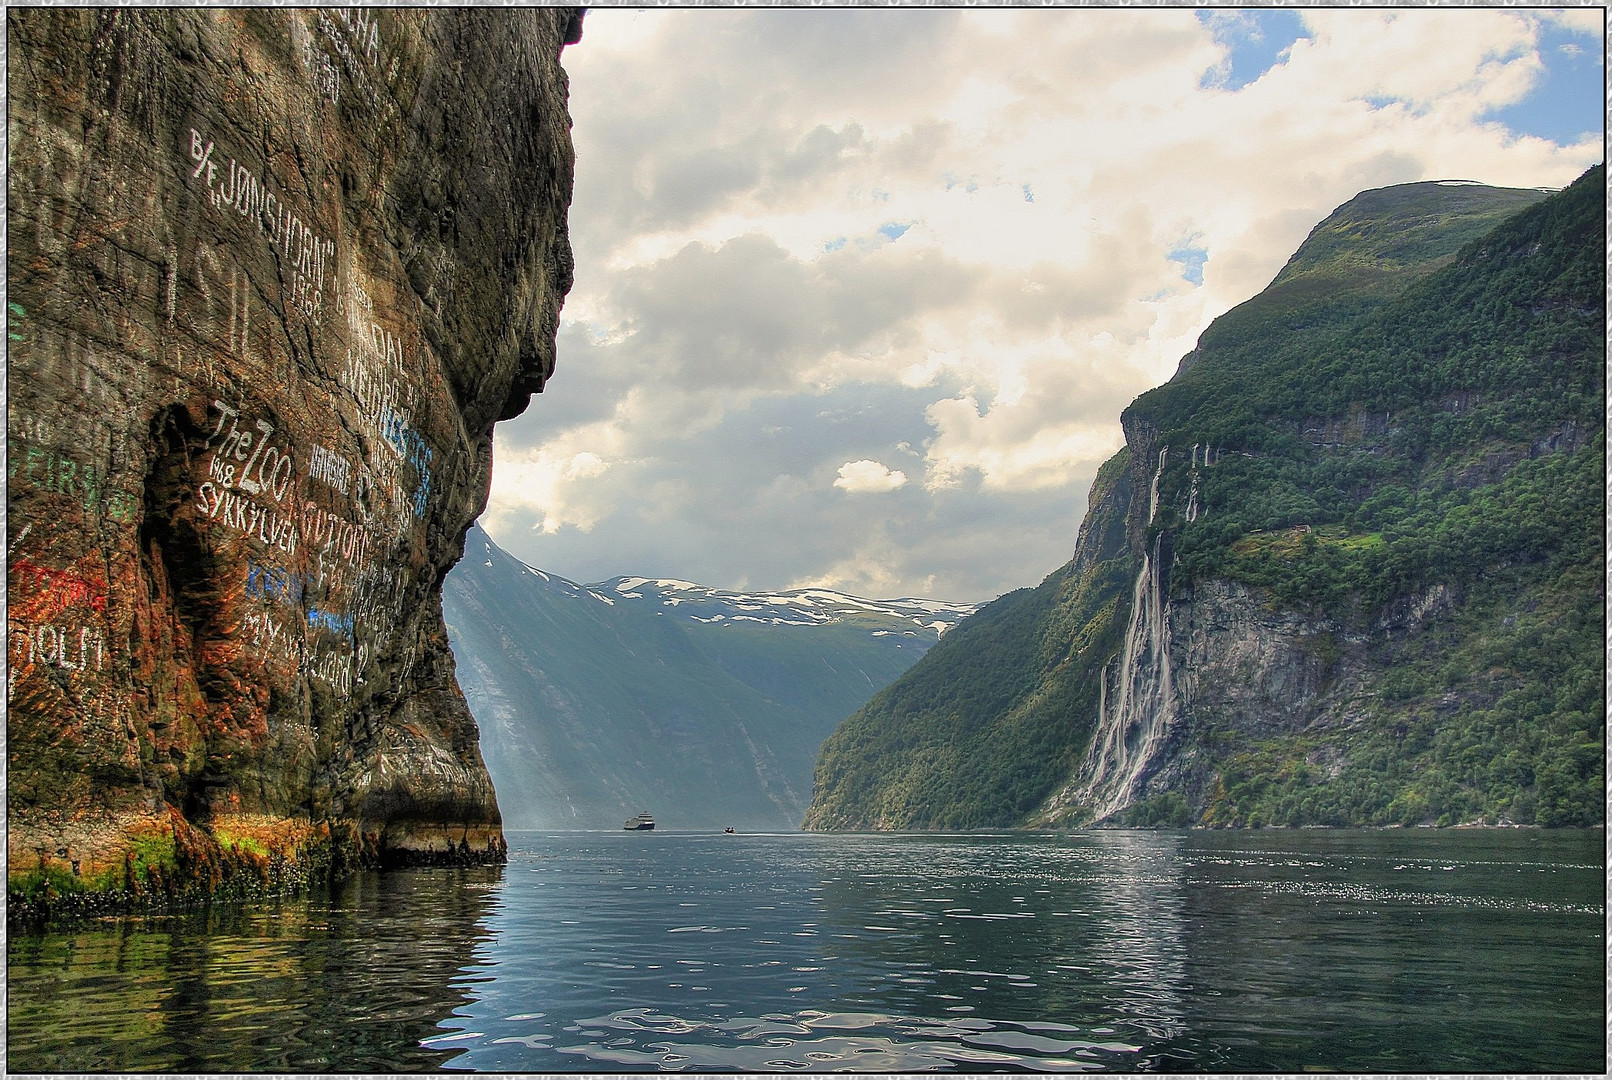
[
  {"x": 704, "y": 707},
  {"x": 1348, "y": 569}
]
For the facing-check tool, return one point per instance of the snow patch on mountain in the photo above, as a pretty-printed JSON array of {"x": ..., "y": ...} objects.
[{"x": 791, "y": 607}]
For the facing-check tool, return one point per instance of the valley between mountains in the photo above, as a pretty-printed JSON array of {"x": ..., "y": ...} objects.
[
  {"x": 1348, "y": 569},
  {"x": 706, "y": 707}
]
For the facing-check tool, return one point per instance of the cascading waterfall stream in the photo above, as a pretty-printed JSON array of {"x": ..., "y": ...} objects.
[
  {"x": 1192, "y": 495},
  {"x": 1129, "y": 733}
]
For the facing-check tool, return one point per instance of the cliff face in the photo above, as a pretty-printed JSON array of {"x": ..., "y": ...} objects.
[
  {"x": 274, "y": 274},
  {"x": 1348, "y": 569}
]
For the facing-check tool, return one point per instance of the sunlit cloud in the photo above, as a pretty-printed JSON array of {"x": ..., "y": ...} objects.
[
  {"x": 987, "y": 230},
  {"x": 864, "y": 476},
  {"x": 545, "y": 484}
]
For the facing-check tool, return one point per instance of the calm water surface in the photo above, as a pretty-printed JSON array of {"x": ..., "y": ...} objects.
[{"x": 1399, "y": 951}]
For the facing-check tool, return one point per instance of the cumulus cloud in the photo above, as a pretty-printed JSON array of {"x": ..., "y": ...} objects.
[
  {"x": 865, "y": 476},
  {"x": 544, "y": 482},
  {"x": 931, "y": 254}
]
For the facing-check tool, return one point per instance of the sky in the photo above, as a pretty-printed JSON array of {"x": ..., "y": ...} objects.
[{"x": 861, "y": 293}]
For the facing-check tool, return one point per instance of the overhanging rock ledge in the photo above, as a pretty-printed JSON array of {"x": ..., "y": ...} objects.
[{"x": 273, "y": 276}]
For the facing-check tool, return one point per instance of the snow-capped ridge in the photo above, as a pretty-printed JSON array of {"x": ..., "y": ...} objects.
[
  {"x": 787, "y": 607},
  {"x": 812, "y": 606}
]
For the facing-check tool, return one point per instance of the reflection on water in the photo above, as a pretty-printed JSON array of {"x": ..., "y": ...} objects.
[
  {"x": 866, "y": 1042},
  {"x": 351, "y": 980},
  {"x": 1270, "y": 951},
  {"x": 1138, "y": 929},
  {"x": 1401, "y": 951}
]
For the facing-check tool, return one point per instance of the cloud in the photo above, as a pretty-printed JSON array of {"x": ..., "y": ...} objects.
[
  {"x": 867, "y": 477},
  {"x": 542, "y": 482},
  {"x": 807, "y": 265},
  {"x": 1588, "y": 21}
]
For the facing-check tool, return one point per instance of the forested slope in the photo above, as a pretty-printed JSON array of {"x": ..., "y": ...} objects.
[{"x": 1349, "y": 568}]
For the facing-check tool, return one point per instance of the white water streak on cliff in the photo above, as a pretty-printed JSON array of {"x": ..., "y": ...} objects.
[
  {"x": 1153, "y": 489},
  {"x": 1192, "y": 495},
  {"x": 1131, "y": 732}
]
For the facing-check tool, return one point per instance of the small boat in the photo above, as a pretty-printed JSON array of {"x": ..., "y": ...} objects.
[
  {"x": 728, "y": 829},
  {"x": 641, "y": 823}
]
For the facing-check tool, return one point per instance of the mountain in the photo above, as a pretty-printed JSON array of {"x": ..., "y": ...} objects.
[
  {"x": 703, "y": 706},
  {"x": 1347, "y": 570}
]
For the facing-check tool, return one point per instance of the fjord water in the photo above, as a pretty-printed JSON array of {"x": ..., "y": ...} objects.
[{"x": 1394, "y": 951}]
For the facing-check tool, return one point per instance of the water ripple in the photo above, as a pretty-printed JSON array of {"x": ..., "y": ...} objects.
[
  {"x": 822, "y": 1041},
  {"x": 1376, "y": 894},
  {"x": 1388, "y": 952}
]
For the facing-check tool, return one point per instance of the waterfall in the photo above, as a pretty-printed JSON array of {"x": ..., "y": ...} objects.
[
  {"x": 1102, "y": 695},
  {"x": 1153, "y": 489},
  {"x": 1132, "y": 722},
  {"x": 1193, "y": 510}
]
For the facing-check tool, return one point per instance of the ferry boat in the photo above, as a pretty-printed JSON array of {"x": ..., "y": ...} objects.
[{"x": 640, "y": 823}]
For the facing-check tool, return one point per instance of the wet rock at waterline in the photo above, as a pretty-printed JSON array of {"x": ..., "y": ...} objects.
[{"x": 274, "y": 274}]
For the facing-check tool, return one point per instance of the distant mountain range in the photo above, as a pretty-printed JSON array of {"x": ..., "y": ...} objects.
[{"x": 703, "y": 706}]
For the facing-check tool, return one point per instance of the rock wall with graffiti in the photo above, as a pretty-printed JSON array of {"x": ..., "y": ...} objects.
[{"x": 273, "y": 274}]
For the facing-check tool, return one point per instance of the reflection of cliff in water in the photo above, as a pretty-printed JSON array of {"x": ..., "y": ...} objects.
[
  {"x": 349, "y": 980},
  {"x": 1084, "y": 929},
  {"x": 1396, "y": 950},
  {"x": 1137, "y": 939}
]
